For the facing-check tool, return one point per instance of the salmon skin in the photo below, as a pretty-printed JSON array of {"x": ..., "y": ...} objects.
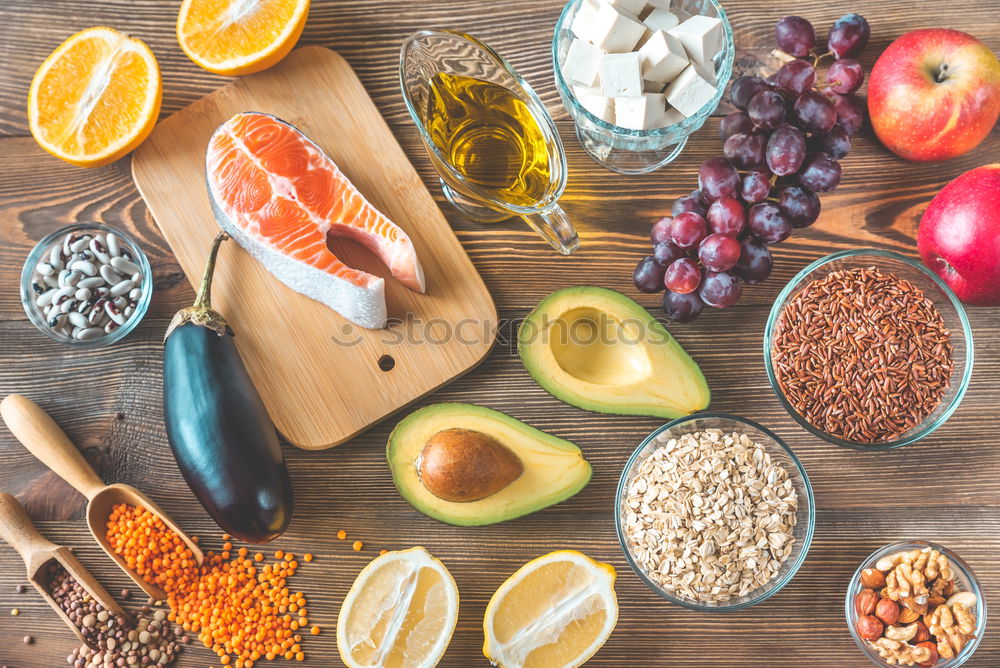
[{"x": 279, "y": 196}]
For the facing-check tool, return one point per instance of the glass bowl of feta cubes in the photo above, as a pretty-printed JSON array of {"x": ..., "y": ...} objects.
[{"x": 639, "y": 76}]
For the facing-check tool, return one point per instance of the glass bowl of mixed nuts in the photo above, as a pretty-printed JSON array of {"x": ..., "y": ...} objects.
[
  {"x": 714, "y": 512},
  {"x": 86, "y": 285},
  {"x": 915, "y": 603},
  {"x": 868, "y": 349}
]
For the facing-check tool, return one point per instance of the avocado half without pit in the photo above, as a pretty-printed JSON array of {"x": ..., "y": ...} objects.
[
  {"x": 601, "y": 351},
  {"x": 469, "y": 465}
]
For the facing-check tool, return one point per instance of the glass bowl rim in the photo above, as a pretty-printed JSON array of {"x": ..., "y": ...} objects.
[
  {"x": 777, "y": 307},
  {"x": 537, "y": 106},
  {"x": 854, "y": 586},
  {"x": 779, "y": 583},
  {"x": 682, "y": 129},
  {"x": 35, "y": 255}
]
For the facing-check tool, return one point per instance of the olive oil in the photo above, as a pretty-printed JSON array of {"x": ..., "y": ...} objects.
[{"x": 489, "y": 135}]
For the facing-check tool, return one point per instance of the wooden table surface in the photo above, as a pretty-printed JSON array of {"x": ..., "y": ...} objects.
[{"x": 945, "y": 488}]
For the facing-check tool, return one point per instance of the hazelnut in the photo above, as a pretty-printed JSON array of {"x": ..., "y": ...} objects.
[
  {"x": 872, "y": 578},
  {"x": 869, "y": 628},
  {"x": 934, "y": 653},
  {"x": 865, "y": 601},
  {"x": 888, "y": 611},
  {"x": 923, "y": 634}
]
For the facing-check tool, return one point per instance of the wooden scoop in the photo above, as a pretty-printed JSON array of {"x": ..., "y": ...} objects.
[
  {"x": 45, "y": 440},
  {"x": 17, "y": 531}
]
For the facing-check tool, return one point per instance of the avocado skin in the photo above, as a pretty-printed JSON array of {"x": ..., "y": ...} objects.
[
  {"x": 221, "y": 435},
  {"x": 655, "y": 395},
  {"x": 517, "y": 499}
]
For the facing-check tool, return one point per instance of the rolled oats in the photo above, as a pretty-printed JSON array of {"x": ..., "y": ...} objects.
[{"x": 709, "y": 516}]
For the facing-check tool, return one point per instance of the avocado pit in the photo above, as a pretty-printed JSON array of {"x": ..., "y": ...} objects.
[{"x": 464, "y": 465}]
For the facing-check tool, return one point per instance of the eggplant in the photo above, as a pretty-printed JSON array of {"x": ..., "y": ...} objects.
[{"x": 219, "y": 430}]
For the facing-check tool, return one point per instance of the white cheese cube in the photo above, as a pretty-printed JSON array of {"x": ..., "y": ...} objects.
[
  {"x": 583, "y": 19},
  {"x": 673, "y": 117},
  {"x": 582, "y": 62},
  {"x": 592, "y": 100},
  {"x": 629, "y": 6},
  {"x": 689, "y": 92},
  {"x": 641, "y": 113},
  {"x": 614, "y": 31},
  {"x": 663, "y": 57},
  {"x": 702, "y": 37},
  {"x": 621, "y": 75},
  {"x": 707, "y": 72},
  {"x": 659, "y": 4},
  {"x": 661, "y": 19}
]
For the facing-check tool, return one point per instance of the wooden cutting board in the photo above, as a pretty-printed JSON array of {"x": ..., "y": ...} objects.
[{"x": 322, "y": 377}]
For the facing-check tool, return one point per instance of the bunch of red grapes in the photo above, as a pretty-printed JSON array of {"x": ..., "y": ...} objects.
[{"x": 781, "y": 148}]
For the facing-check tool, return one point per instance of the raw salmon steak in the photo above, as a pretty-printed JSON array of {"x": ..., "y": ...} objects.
[{"x": 279, "y": 195}]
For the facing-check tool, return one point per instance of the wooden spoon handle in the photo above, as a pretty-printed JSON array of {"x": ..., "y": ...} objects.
[
  {"x": 17, "y": 530},
  {"x": 45, "y": 440}
]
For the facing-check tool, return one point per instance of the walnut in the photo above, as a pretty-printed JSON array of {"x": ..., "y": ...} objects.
[
  {"x": 898, "y": 653},
  {"x": 952, "y": 625},
  {"x": 903, "y": 582},
  {"x": 942, "y": 588}
]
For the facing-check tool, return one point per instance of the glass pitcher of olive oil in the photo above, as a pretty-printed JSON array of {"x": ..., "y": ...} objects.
[{"x": 495, "y": 148}]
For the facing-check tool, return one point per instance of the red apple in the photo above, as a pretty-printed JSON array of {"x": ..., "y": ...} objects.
[
  {"x": 959, "y": 236},
  {"x": 934, "y": 94}
]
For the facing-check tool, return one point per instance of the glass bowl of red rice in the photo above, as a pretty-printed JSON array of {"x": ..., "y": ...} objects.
[{"x": 868, "y": 349}]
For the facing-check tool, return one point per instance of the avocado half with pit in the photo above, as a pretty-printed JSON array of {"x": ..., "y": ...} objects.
[
  {"x": 601, "y": 351},
  {"x": 469, "y": 465}
]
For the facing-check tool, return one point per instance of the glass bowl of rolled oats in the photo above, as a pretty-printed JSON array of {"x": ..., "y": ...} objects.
[
  {"x": 915, "y": 603},
  {"x": 714, "y": 512}
]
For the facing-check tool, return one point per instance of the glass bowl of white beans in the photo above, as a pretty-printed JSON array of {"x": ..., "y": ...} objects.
[{"x": 86, "y": 285}]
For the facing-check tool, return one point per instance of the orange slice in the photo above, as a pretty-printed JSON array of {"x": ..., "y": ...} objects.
[
  {"x": 239, "y": 36},
  {"x": 95, "y": 98}
]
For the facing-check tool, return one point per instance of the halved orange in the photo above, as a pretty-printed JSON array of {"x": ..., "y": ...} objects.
[
  {"x": 95, "y": 98},
  {"x": 235, "y": 37}
]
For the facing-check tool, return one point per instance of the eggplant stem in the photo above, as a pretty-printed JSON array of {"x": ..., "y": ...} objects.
[
  {"x": 201, "y": 312},
  {"x": 204, "y": 297}
]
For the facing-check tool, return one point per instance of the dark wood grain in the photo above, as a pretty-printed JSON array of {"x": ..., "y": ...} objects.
[{"x": 945, "y": 488}]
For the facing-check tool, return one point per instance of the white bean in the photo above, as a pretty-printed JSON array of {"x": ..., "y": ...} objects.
[
  {"x": 134, "y": 294},
  {"x": 121, "y": 288},
  {"x": 78, "y": 319},
  {"x": 67, "y": 305},
  {"x": 62, "y": 293},
  {"x": 124, "y": 266},
  {"x": 82, "y": 294},
  {"x": 89, "y": 333},
  {"x": 45, "y": 298},
  {"x": 50, "y": 281},
  {"x": 112, "y": 244},
  {"x": 80, "y": 243},
  {"x": 110, "y": 275},
  {"x": 85, "y": 266},
  {"x": 91, "y": 282},
  {"x": 45, "y": 269},
  {"x": 55, "y": 256},
  {"x": 113, "y": 313}
]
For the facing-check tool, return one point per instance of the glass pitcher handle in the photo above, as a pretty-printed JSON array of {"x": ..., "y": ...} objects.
[{"x": 553, "y": 225}]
